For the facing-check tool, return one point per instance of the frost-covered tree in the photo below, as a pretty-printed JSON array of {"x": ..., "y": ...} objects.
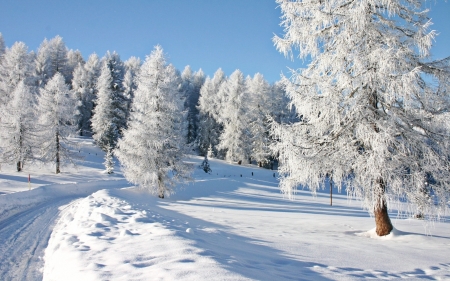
[
  {"x": 83, "y": 84},
  {"x": 2, "y": 46},
  {"x": 111, "y": 106},
  {"x": 281, "y": 109},
  {"x": 74, "y": 58},
  {"x": 259, "y": 110},
  {"x": 209, "y": 105},
  {"x": 132, "y": 66},
  {"x": 17, "y": 127},
  {"x": 152, "y": 148},
  {"x": 235, "y": 136},
  {"x": 51, "y": 58},
  {"x": 190, "y": 86},
  {"x": 56, "y": 110},
  {"x": 16, "y": 66},
  {"x": 366, "y": 115},
  {"x": 205, "y": 165},
  {"x": 207, "y": 135},
  {"x": 109, "y": 160}
]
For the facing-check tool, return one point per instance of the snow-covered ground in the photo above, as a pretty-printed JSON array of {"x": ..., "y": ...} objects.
[{"x": 227, "y": 225}]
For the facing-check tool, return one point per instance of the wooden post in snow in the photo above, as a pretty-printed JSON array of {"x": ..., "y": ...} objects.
[{"x": 331, "y": 191}]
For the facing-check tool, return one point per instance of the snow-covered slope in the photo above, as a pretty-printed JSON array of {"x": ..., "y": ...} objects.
[
  {"x": 223, "y": 226},
  {"x": 27, "y": 216}
]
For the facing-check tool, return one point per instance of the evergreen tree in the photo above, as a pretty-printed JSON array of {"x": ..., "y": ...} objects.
[
  {"x": 74, "y": 58},
  {"x": 83, "y": 84},
  {"x": 109, "y": 160},
  {"x": 209, "y": 104},
  {"x": 51, "y": 59},
  {"x": 152, "y": 148},
  {"x": 205, "y": 165},
  {"x": 190, "y": 87},
  {"x": 207, "y": 134},
  {"x": 235, "y": 137},
  {"x": 282, "y": 111},
  {"x": 260, "y": 102},
  {"x": 133, "y": 64},
  {"x": 17, "y": 127},
  {"x": 111, "y": 110},
  {"x": 56, "y": 111},
  {"x": 365, "y": 113},
  {"x": 16, "y": 66},
  {"x": 2, "y": 46}
]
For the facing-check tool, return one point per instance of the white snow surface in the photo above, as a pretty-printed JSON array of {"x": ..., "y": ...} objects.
[{"x": 222, "y": 226}]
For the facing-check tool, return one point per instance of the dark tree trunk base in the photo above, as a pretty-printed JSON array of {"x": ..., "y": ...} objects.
[
  {"x": 382, "y": 221},
  {"x": 19, "y": 166}
]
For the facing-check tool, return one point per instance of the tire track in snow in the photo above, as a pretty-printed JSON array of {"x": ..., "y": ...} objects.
[{"x": 24, "y": 237}]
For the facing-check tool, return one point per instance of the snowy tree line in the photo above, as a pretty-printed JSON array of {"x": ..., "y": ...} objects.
[{"x": 53, "y": 93}]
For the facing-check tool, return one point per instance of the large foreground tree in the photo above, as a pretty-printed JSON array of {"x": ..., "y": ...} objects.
[
  {"x": 152, "y": 148},
  {"x": 368, "y": 118}
]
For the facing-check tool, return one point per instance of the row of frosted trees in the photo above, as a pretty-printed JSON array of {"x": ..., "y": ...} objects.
[
  {"x": 37, "y": 107},
  {"x": 52, "y": 94}
]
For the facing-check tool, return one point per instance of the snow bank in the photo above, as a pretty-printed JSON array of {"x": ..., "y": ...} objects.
[{"x": 104, "y": 237}]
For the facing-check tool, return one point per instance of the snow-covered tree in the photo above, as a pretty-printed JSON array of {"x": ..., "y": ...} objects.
[
  {"x": 209, "y": 105},
  {"x": 205, "y": 165},
  {"x": 207, "y": 134},
  {"x": 259, "y": 110},
  {"x": 16, "y": 66},
  {"x": 190, "y": 86},
  {"x": 83, "y": 84},
  {"x": 51, "y": 58},
  {"x": 2, "y": 46},
  {"x": 134, "y": 65},
  {"x": 111, "y": 110},
  {"x": 16, "y": 127},
  {"x": 281, "y": 109},
  {"x": 56, "y": 110},
  {"x": 366, "y": 115},
  {"x": 109, "y": 160},
  {"x": 74, "y": 58},
  {"x": 235, "y": 137},
  {"x": 152, "y": 148}
]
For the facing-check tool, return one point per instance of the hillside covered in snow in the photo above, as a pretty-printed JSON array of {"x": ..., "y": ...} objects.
[{"x": 231, "y": 224}]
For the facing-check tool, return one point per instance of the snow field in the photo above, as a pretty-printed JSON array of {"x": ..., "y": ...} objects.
[{"x": 225, "y": 226}]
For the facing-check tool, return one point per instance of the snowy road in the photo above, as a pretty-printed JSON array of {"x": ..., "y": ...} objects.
[
  {"x": 27, "y": 220},
  {"x": 24, "y": 237}
]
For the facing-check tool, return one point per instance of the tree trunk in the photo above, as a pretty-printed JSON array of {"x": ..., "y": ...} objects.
[
  {"x": 57, "y": 154},
  {"x": 19, "y": 163},
  {"x": 382, "y": 221},
  {"x": 331, "y": 191},
  {"x": 160, "y": 187}
]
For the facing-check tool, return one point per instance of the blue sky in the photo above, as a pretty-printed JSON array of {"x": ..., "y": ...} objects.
[{"x": 207, "y": 34}]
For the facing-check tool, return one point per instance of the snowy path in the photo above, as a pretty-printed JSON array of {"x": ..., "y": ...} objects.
[
  {"x": 25, "y": 228},
  {"x": 24, "y": 238}
]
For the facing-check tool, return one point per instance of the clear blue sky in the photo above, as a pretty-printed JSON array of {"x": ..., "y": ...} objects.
[{"x": 207, "y": 34}]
